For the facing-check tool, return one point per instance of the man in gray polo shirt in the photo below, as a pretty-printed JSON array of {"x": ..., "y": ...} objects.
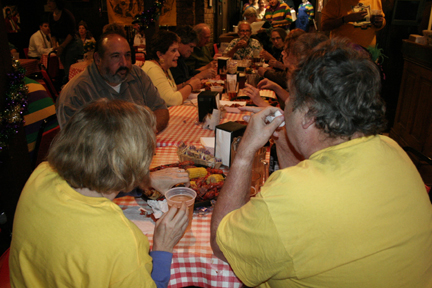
[{"x": 111, "y": 76}]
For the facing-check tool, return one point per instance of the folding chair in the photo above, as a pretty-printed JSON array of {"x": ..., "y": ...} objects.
[
  {"x": 49, "y": 86},
  {"x": 54, "y": 71}
]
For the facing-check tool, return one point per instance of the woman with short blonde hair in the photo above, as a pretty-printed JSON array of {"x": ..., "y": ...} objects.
[
  {"x": 119, "y": 152},
  {"x": 67, "y": 231}
]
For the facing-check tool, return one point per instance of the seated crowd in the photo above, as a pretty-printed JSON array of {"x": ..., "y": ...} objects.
[{"x": 347, "y": 208}]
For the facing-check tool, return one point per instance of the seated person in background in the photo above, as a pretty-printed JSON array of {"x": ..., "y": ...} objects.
[
  {"x": 250, "y": 15},
  {"x": 244, "y": 46},
  {"x": 203, "y": 56},
  {"x": 278, "y": 14},
  {"x": 294, "y": 52},
  {"x": 163, "y": 55},
  {"x": 355, "y": 213},
  {"x": 84, "y": 34},
  {"x": 182, "y": 73},
  {"x": 262, "y": 8},
  {"x": 139, "y": 39},
  {"x": 275, "y": 57},
  {"x": 111, "y": 76},
  {"x": 250, "y": 4},
  {"x": 67, "y": 231},
  {"x": 280, "y": 76},
  {"x": 40, "y": 42}
]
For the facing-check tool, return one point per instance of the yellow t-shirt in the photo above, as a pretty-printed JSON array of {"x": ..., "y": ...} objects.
[
  {"x": 353, "y": 215},
  {"x": 64, "y": 239},
  {"x": 337, "y": 8}
]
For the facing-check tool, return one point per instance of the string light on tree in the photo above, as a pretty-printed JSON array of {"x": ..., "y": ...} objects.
[
  {"x": 15, "y": 105},
  {"x": 151, "y": 15}
]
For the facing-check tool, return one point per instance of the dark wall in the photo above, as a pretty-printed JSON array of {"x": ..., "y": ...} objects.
[
  {"x": 30, "y": 12},
  {"x": 390, "y": 40}
]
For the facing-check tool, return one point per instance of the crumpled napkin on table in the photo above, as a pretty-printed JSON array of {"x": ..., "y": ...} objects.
[{"x": 212, "y": 120}]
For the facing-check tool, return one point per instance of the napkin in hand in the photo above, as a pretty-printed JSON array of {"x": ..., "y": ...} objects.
[{"x": 158, "y": 207}]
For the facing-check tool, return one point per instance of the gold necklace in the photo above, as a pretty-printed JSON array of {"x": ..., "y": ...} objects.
[{"x": 166, "y": 74}]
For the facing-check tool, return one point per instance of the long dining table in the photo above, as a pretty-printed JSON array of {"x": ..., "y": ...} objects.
[{"x": 193, "y": 261}]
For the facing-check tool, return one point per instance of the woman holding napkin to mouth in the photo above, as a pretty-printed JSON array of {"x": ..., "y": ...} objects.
[
  {"x": 67, "y": 231},
  {"x": 164, "y": 54}
]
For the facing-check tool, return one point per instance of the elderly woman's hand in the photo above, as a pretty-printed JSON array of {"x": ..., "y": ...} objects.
[
  {"x": 162, "y": 180},
  {"x": 196, "y": 83},
  {"x": 170, "y": 228}
]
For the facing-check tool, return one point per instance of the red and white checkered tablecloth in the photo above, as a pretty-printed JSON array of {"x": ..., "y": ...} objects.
[
  {"x": 193, "y": 261},
  {"x": 77, "y": 68},
  {"x": 44, "y": 60},
  {"x": 184, "y": 126},
  {"x": 31, "y": 65}
]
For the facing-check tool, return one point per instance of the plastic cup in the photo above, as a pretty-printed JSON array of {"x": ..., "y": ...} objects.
[{"x": 176, "y": 196}]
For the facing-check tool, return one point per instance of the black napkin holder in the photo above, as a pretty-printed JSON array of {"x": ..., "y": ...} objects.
[
  {"x": 224, "y": 136},
  {"x": 222, "y": 64},
  {"x": 207, "y": 101}
]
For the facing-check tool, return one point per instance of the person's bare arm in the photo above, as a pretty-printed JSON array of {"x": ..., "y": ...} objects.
[
  {"x": 240, "y": 44},
  {"x": 60, "y": 48},
  {"x": 164, "y": 179},
  {"x": 281, "y": 22},
  {"x": 254, "y": 95},
  {"x": 236, "y": 189},
  {"x": 334, "y": 23},
  {"x": 212, "y": 64},
  {"x": 162, "y": 118},
  {"x": 206, "y": 74},
  {"x": 280, "y": 92}
]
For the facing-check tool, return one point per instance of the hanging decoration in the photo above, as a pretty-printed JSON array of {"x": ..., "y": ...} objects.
[
  {"x": 15, "y": 104},
  {"x": 151, "y": 15}
]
